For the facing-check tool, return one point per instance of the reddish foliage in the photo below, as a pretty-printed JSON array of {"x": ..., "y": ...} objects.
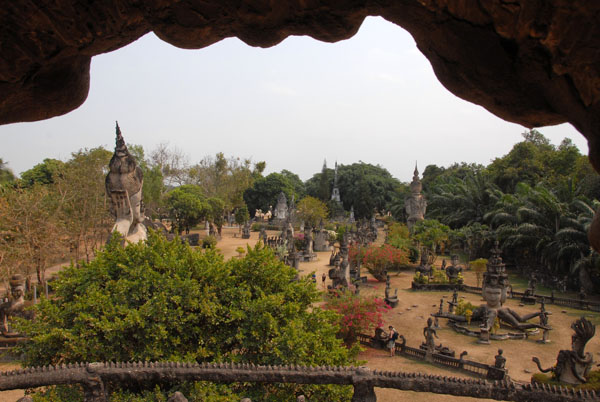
[
  {"x": 383, "y": 258},
  {"x": 357, "y": 314}
]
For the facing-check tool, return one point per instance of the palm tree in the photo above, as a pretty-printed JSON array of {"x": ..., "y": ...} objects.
[
  {"x": 571, "y": 249},
  {"x": 459, "y": 202},
  {"x": 528, "y": 221}
]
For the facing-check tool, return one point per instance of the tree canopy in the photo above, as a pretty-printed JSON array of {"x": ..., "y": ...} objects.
[
  {"x": 265, "y": 190},
  {"x": 164, "y": 300}
]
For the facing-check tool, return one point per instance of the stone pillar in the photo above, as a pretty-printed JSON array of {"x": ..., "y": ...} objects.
[
  {"x": 484, "y": 335},
  {"x": 362, "y": 381}
]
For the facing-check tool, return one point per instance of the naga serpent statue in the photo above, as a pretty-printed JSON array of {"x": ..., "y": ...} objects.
[
  {"x": 124, "y": 189},
  {"x": 573, "y": 366}
]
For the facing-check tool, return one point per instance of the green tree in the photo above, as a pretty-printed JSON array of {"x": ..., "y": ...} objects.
[
  {"x": 42, "y": 173},
  {"x": 265, "y": 190},
  {"x": 81, "y": 190},
  {"x": 242, "y": 215},
  {"x": 312, "y": 210},
  {"x": 457, "y": 202},
  {"x": 295, "y": 182},
  {"x": 164, "y": 300},
  {"x": 431, "y": 235},
  {"x": 535, "y": 160},
  {"x": 6, "y": 175},
  {"x": 217, "y": 209},
  {"x": 366, "y": 188},
  {"x": 187, "y": 206},
  {"x": 225, "y": 178},
  {"x": 378, "y": 188},
  {"x": 34, "y": 235}
]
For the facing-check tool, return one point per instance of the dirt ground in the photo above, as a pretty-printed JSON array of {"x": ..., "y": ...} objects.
[{"x": 409, "y": 318}]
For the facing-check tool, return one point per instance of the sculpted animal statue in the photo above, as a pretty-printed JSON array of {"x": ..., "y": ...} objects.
[
  {"x": 573, "y": 366},
  {"x": 124, "y": 189}
]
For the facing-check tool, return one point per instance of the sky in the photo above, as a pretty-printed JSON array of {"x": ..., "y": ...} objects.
[{"x": 371, "y": 98}]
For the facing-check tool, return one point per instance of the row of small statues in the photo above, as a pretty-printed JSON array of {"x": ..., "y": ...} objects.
[{"x": 452, "y": 271}]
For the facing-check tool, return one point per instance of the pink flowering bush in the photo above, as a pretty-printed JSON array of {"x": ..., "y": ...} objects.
[
  {"x": 357, "y": 315},
  {"x": 380, "y": 259}
]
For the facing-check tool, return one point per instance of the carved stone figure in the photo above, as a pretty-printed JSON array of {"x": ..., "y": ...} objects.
[
  {"x": 124, "y": 189},
  {"x": 335, "y": 192},
  {"x": 415, "y": 204},
  {"x": 424, "y": 268},
  {"x": 281, "y": 209},
  {"x": 544, "y": 321},
  {"x": 246, "y": 231},
  {"x": 263, "y": 235},
  {"x": 453, "y": 270},
  {"x": 573, "y": 366},
  {"x": 499, "y": 360},
  {"x": 429, "y": 332},
  {"x": 391, "y": 300},
  {"x": 13, "y": 307},
  {"x": 494, "y": 292}
]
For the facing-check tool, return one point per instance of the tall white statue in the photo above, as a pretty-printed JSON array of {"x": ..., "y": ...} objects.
[
  {"x": 415, "y": 204},
  {"x": 124, "y": 183}
]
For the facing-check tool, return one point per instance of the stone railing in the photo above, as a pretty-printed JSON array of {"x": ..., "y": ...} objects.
[
  {"x": 483, "y": 370},
  {"x": 93, "y": 377},
  {"x": 580, "y": 304}
]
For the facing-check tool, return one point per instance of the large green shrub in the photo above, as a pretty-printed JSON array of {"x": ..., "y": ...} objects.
[{"x": 163, "y": 300}]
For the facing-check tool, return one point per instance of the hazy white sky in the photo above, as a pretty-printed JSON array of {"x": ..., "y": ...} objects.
[{"x": 372, "y": 98}]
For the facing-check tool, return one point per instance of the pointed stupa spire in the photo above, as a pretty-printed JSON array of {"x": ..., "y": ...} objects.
[
  {"x": 416, "y": 172},
  {"x": 120, "y": 142}
]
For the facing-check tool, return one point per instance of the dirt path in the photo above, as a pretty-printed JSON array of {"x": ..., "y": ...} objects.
[{"x": 409, "y": 318}]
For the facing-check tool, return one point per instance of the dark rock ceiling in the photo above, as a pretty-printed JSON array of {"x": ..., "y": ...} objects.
[{"x": 533, "y": 62}]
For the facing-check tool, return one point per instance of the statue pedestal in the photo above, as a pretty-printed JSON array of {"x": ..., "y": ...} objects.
[
  {"x": 392, "y": 302},
  {"x": 544, "y": 337},
  {"x": 484, "y": 336}
]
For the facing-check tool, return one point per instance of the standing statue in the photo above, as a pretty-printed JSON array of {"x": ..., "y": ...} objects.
[
  {"x": 124, "y": 189},
  {"x": 415, "y": 204},
  {"x": 429, "y": 332},
  {"x": 13, "y": 307},
  {"x": 573, "y": 366}
]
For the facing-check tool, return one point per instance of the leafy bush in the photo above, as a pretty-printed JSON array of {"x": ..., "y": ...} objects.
[
  {"x": 438, "y": 276},
  {"x": 209, "y": 242},
  {"x": 357, "y": 314},
  {"x": 420, "y": 278},
  {"x": 399, "y": 236},
  {"x": 356, "y": 253},
  {"x": 167, "y": 301},
  {"x": 384, "y": 258},
  {"x": 463, "y": 306}
]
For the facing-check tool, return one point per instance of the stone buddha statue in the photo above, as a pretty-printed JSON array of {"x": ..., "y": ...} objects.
[
  {"x": 13, "y": 307},
  {"x": 453, "y": 269}
]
